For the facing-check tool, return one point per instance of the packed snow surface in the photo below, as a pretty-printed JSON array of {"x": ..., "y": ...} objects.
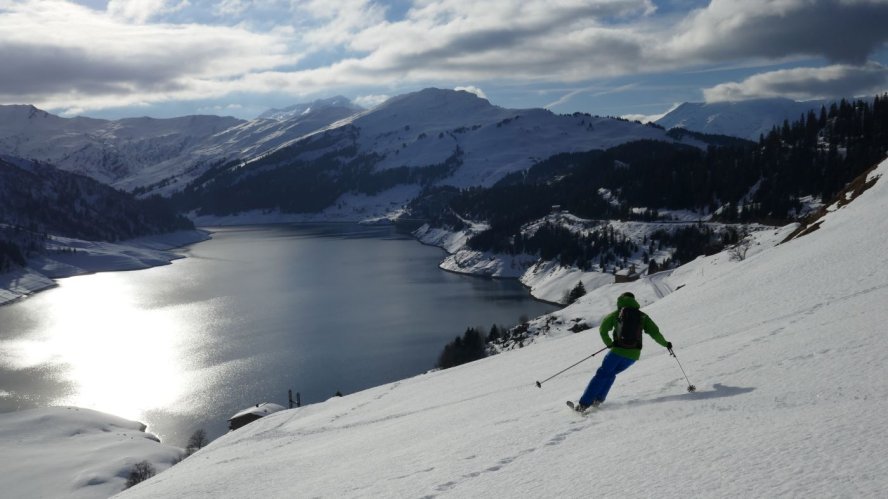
[{"x": 785, "y": 349}]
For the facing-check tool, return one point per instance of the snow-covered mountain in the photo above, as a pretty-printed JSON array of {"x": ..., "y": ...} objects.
[
  {"x": 416, "y": 130},
  {"x": 783, "y": 347},
  {"x": 246, "y": 140},
  {"x": 746, "y": 119},
  {"x": 297, "y": 110},
  {"x": 430, "y": 137},
  {"x": 159, "y": 155},
  {"x": 108, "y": 151},
  {"x": 426, "y": 127}
]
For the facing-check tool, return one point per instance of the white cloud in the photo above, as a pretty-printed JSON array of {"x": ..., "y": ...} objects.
[
  {"x": 454, "y": 40},
  {"x": 805, "y": 84},
  {"x": 231, "y": 7},
  {"x": 335, "y": 22},
  {"x": 59, "y": 54},
  {"x": 844, "y": 31},
  {"x": 370, "y": 101},
  {"x": 56, "y": 53},
  {"x": 472, "y": 90},
  {"x": 141, "y": 11}
]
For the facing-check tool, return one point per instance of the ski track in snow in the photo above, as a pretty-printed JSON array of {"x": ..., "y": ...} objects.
[{"x": 660, "y": 284}]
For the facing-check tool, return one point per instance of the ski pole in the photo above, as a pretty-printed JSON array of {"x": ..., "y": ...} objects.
[
  {"x": 691, "y": 388},
  {"x": 540, "y": 383}
]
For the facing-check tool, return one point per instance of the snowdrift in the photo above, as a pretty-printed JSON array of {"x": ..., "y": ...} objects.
[{"x": 786, "y": 349}]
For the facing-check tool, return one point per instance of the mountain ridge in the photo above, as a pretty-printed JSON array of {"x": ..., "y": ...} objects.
[
  {"x": 301, "y": 109},
  {"x": 425, "y": 138},
  {"x": 745, "y": 119}
]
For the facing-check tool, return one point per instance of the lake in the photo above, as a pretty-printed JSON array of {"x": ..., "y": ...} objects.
[{"x": 246, "y": 316}]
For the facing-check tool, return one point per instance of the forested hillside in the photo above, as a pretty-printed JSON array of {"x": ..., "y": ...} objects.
[
  {"x": 795, "y": 167},
  {"x": 37, "y": 199}
]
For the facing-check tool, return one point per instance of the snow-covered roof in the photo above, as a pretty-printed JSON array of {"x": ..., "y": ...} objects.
[{"x": 263, "y": 409}]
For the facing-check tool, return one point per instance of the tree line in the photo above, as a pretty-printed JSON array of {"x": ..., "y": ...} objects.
[{"x": 471, "y": 346}]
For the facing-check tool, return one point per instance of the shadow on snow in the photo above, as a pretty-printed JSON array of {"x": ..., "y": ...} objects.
[{"x": 718, "y": 391}]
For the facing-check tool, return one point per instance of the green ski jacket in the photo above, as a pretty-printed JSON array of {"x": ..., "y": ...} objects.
[{"x": 609, "y": 323}]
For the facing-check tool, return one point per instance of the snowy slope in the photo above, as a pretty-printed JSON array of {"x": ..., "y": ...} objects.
[
  {"x": 745, "y": 119},
  {"x": 74, "y": 453},
  {"x": 785, "y": 349}
]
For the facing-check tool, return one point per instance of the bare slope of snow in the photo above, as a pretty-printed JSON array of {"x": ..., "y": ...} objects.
[
  {"x": 783, "y": 347},
  {"x": 73, "y": 452}
]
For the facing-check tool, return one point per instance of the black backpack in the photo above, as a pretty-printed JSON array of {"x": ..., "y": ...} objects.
[{"x": 628, "y": 331}]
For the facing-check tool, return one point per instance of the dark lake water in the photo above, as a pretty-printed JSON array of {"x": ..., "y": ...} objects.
[{"x": 245, "y": 317}]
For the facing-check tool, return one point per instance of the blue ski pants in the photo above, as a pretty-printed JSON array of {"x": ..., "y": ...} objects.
[{"x": 604, "y": 378}]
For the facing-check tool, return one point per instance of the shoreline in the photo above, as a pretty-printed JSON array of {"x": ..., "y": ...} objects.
[
  {"x": 141, "y": 253},
  {"x": 68, "y": 257},
  {"x": 524, "y": 268},
  {"x": 498, "y": 278}
]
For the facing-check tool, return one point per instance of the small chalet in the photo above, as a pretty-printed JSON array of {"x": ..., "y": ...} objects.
[
  {"x": 251, "y": 414},
  {"x": 627, "y": 275}
]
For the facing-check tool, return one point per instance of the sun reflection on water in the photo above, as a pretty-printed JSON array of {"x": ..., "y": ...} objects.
[{"x": 121, "y": 355}]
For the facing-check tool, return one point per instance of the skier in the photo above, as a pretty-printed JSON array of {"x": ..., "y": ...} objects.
[{"x": 627, "y": 322}]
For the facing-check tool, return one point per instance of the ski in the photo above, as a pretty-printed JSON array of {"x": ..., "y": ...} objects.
[{"x": 574, "y": 408}]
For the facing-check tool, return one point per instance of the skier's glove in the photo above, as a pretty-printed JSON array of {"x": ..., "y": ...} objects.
[{"x": 668, "y": 345}]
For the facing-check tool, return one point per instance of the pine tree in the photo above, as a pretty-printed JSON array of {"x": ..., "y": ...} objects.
[{"x": 575, "y": 293}]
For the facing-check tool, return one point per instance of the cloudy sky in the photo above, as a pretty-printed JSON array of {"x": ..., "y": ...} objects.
[{"x": 117, "y": 58}]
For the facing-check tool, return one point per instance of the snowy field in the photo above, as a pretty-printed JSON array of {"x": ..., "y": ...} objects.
[{"x": 786, "y": 349}]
